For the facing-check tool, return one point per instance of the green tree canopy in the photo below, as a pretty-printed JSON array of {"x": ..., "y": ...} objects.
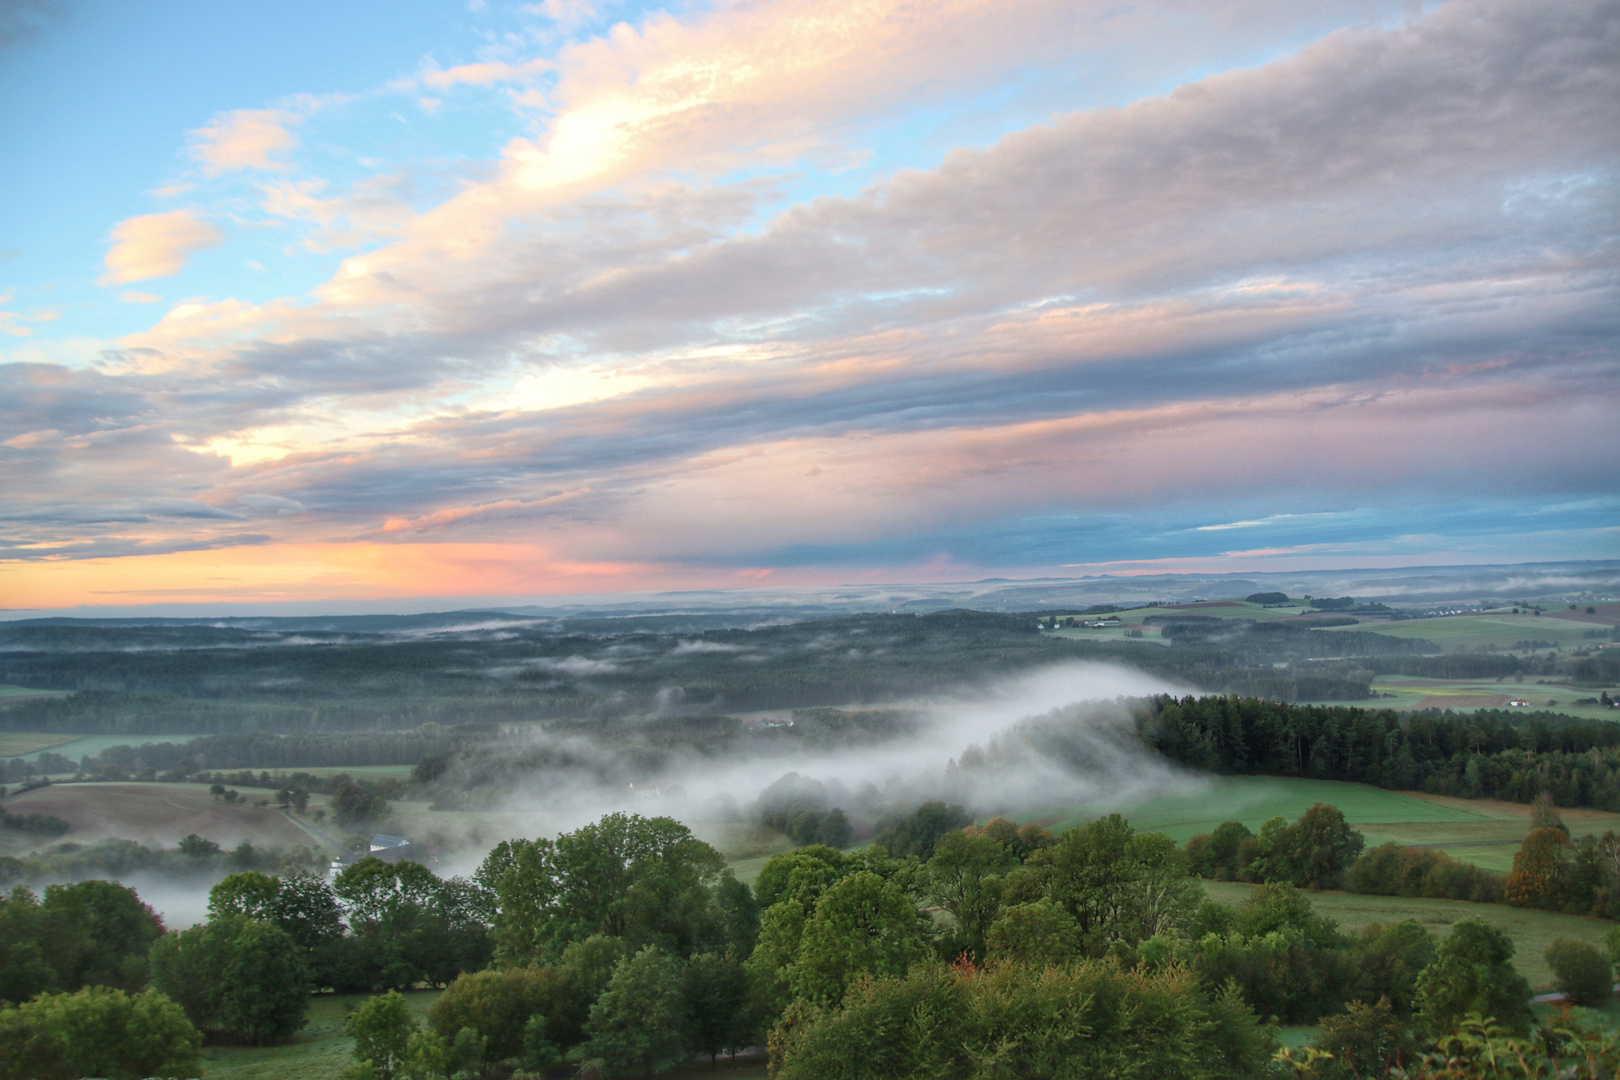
[
  {"x": 237, "y": 978},
  {"x": 381, "y": 1029},
  {"x": 1473, "y": 972},
  {"x": 640, "y": 1019},
  {"x": 646, "y": 880},
  {"x": 97, "y": 1031}
]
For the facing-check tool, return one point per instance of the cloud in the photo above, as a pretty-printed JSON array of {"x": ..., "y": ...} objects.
[
  {"x": 157, "y": 245},
  {"x": 1304, "y": 298},
  {"x": 485, "y": 73},
  {"x": 244, "y": 139}
]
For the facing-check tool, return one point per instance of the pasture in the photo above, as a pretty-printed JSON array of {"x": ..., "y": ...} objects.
[
  {"x": 1205, "y": 802},
  {"x": 1530, "y": 931},
  {"x": 1503, "y": 629},
  {"x": 156, "y": 813},
  {"x": 319, "y": 1052},
  {"x": 19, "y": 743},
  {"x": 1412, "y": 692},
  {"x": 1485, "y": 832},
  {"x": 78, "y": 746}
]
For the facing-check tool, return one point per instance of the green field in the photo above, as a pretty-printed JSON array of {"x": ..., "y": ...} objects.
[
  {"x": 1481, "y": 831},
  {"x": 319, "y": 1052},
  {"x": 9, "y": 691},
  {"x": 1530, "y": 931},
  {"x": 1252, "y": 799},
  {"x": 78, "y": 746},
  {"x": 1412, "y": 692},
  {"x": 746, "y": 847},
  {"x": 1501, "y": 628},
  {"x": 19, "y": 743}
]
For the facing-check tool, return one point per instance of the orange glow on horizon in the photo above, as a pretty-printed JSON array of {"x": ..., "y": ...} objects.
[{"x": 348, "y": 571}]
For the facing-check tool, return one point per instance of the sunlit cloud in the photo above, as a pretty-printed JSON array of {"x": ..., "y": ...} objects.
[
  {"x": 1201, "y": 291},
  {"x": 157, "y": 245},
  {"x": 244, "y": 139}
]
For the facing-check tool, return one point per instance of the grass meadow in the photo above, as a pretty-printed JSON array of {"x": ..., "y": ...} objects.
[
  {"x": 1530, "y": 931},
  {"x": 20, "y": 743},
  {"x": 320, "y": 1052}
]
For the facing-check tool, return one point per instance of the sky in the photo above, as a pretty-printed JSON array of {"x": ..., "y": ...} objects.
[{"x": 381, "y": 300}]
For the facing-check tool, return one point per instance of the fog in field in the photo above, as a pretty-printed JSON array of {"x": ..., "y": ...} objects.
[{"x": 1057, "y": 735}]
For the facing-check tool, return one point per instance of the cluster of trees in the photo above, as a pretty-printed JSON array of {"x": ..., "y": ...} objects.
[
  {"x": 1321, "y": 851},
  {"x": 302, "y": 749},
  {"x": 1486, "y": 754},
  {"x": 1552, "y": 872},
  {"x": 799, "y": 808},
  {"x": 91, "y": 933},
  {"x": 971, "y": 952},
  {"x": 43, "y": 824},
  {"x": 195, "y": 861}
]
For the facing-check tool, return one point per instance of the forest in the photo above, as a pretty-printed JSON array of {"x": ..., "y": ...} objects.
[
  {"x": 941, "y": 950},
  {"x": 202, "y": 679}
]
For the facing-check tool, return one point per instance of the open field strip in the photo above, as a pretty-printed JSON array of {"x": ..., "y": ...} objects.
[
  {"x": 18, "y": 693},
  {"x": 78, "y": 746},
  {"x": 746, "y": 847},
  {"x": 401, "y": 772},
  {"x": 1530, "y": 931},
  {"x": 1414, "y": 692},
  {"x": 18, "y": 743},
  {"x": 156, "y": 813},
  {"x": 1206, "y": 803},
  {"x": 319, "y": 1052}
]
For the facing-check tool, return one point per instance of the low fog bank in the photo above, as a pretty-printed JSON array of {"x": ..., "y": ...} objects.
[
  {"x": 1051, "y": 737},
  {"x": 1056, "y": 739}
]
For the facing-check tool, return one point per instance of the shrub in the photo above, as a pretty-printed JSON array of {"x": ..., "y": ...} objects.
[{"x": 1580, "y": 971}]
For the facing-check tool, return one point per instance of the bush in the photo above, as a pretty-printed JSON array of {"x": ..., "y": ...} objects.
[
  {"x": 1580, "y": 971},
  {"x": 497, "y": 1006},
  {"x": 98, "y": 1031}
]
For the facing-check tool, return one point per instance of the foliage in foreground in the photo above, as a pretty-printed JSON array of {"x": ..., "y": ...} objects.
[
  {"x": 97, "y": 1031},
  {"x": 966, "y": 1023}
]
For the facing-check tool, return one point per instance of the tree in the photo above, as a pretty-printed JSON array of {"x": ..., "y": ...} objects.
[
  {"x": 382, "y": 1028},
  {"x": 1540, "y": 870},
  {"x": 498, "y": 1004},
  {"x": 97, "y": 1031},
  {"x": 639, "y": 1020},
  {"x": 426, "y": 1057},
  {"x": 917, "y": 834},
  {"x": 1472, "y": 972},
  {"x": 862, "y": 925},
  {"x": 89, "y": 933},
  {"x": 1387, "y": 959},
  {"x": 964, "y": 878},
  {"x": 247, "y": 892},
  {"x": 1036, "y": 933},
  {"x": 1581, "y": 971},
  {"x": 1314, "y": 851},
  {"x": 195, "y": 847},
  {"x": 356, "y": 808},
  {"x": 539, "y": 1052},
  {"x": 802, "y": 874},
  {"x": 1368, "y": 1040},
  {"x": 467, "y": 1054},
  {"x": 719, "y": 1008},
  {"x": 647, "y": 880},
  {"x": 237, "y": 978}
]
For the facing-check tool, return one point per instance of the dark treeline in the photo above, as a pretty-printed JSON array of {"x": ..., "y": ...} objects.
[{"x": 1491, "y": 753}]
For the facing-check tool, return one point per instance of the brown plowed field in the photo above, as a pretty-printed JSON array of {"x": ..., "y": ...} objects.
[{"x": 157, "y": 813}]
